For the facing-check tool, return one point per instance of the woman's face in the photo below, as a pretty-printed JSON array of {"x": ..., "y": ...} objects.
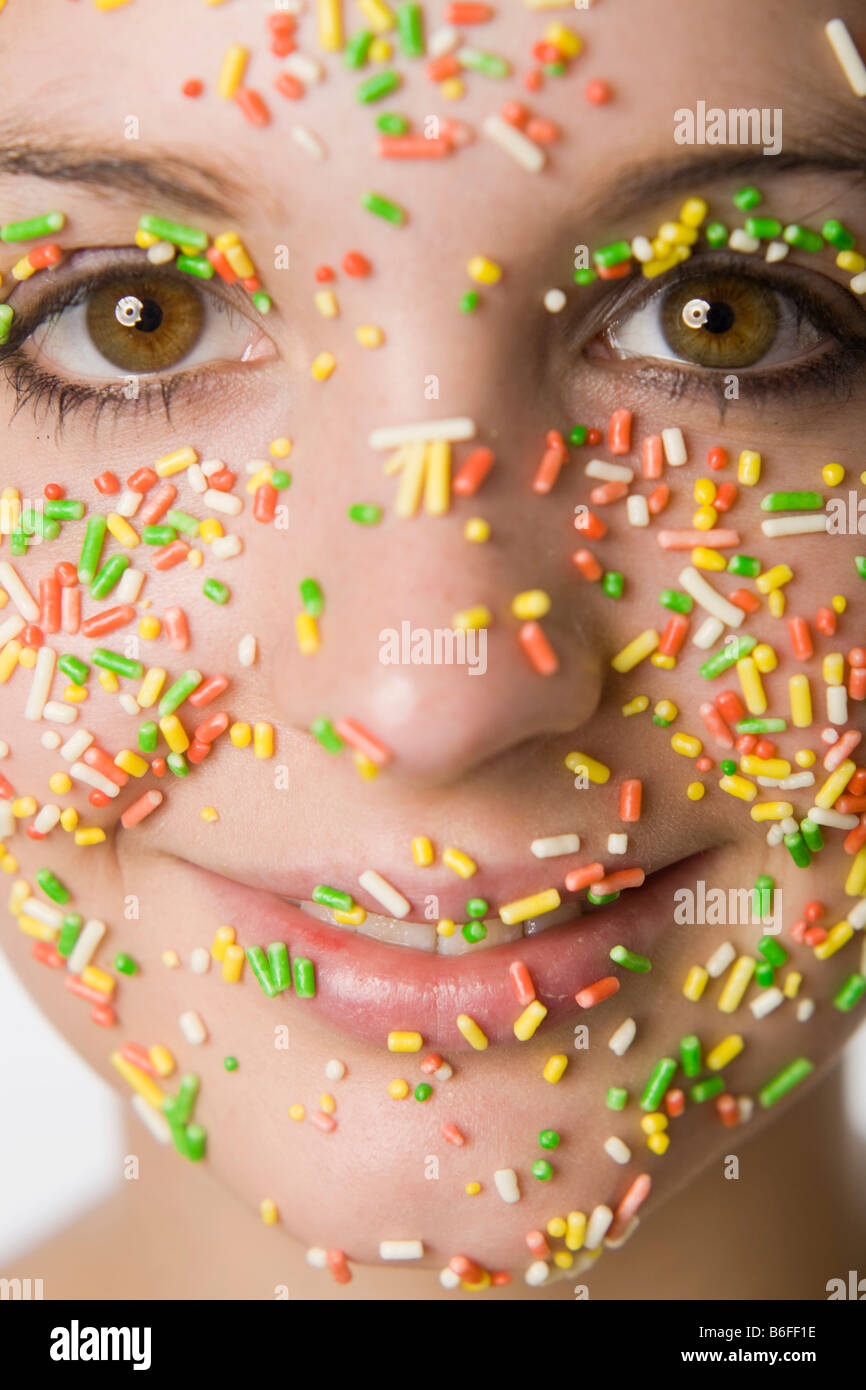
[{"x": 99, "y": 128}]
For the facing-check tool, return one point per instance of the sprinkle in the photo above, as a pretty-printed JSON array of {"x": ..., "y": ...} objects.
[
  {"x": 736, "y": 984},
  {"x": 513, "y": 142},
  {"x": 527, "y": 1024},
  {"x": 596, "y": 993},
  {"x": 192, "y": 1027},
  {"x": 521, "y": 909},
  {"x": 553, "y": 845},
  {"x": 401, "y": 1250},
  {"x": 784, "y": 1082},
  {"x": 629, "y": 960},
  {"x": 617, "y": 1150},
  {"x": 471, "y": 1032},
  {"x": 846, "y": 52},
  {"x": 554, "y": 1067},
  {"x": 507, "y": 1185},
  {"x": 405, "y": 1042},
  {"x": 458, "y": 861}
]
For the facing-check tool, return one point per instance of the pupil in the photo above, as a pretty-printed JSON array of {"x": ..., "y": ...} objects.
[
  {"x": 720, "y": 317},
  {"x": 151, "y": 316}
]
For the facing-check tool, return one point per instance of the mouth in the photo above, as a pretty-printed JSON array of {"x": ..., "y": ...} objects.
[{"x": 385, "y": 975}]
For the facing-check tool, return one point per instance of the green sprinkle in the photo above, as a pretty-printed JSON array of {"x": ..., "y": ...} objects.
[
  {"x": 7, "y": 314},
  {"x": 811, "y": 834},
  {"x": 837, "y": 235},
  {"x": 182, "y": 521},
  {"x": 548, "y": 1139},
  {"x": 262, "y": 301},
  {"x": 727, "y": 656},
  {"x": 791, "y": 501},
  {"x": 474, "y": 932},
  {"x": 177, "y": 693},
  {"x": 69, "y": 933},
  {"x": 765, "y": 228},
  {"x": 786, "y": 1080},
  {"x": 772, "y": 951},
  {"x": 477, "y": 907},
  {"x": 333, "y": 898},
  {"x": 761, "y": 726},
  {"x": 177, "y": 763},
  {"x": 690, "y": 1053},
  {"x": 230, "y": 1063},
  {"x": 305, "y": 978},
  {"x": 357, "y": 48},
  {"x": 215, "y": 589},
  {"x": 554, "y": 69},
  {"x": 860, "y": 565},
  {"x": 148, "y": 737},
  {"x": 52, "y": 887},
  {"x": 747, "y": 198},
  {"x": 673, "y": 599},
  {"x": 658, "y": 1083},
  {"x": 469, "y": 301},
  {"x": 365, "y": 513},
  {"x": 764, "y": 974},
  {"x": 617, "y": 1098},
  {"x": 18, "y": 543},
  {"x": 272, "y": 972},
  {"x": 323, "y": 730},
  {"x": 312, "y": 597},
  {"x": 109, "y": 576},
  {"x": 629, "y": 960},
  {"x": 281, "y": 479},
  {"x": 762, "y": 896},
  {"x": 587, "y": 276},
  {"x": 578, "y": 435},
  {"x": 423, "y": 1091},
  {"x": 798, "y": 850},
  {"x": 489, "y": 64},
  {"x": 599, "y": 899},
  {"x": 173, "y": 231},
  {"x": 91, "y": 549},
  {"x": 745, "y": 565},
  {"x": 850, "y": 993},
  {"x": 120, "y": 665},
  {"x": 383, "y": 207},
  {"x": 33, "y": 227},
  {"x": 391, "y": 124},
  {"x": 64, "y": 509},
  {"x": 76, "y": 670},
  {"x": 410, "y": 28},
  {"x": 199, "y": 266},
  {"x": 728, "y": 767},
  {"x": 705, "y": 1090},
  {"x": 381, "y": 84},
  {"x": 613, "y": 583},
  {"x": 542, "y": 1170},
  {"x": 802, "y": 238},
  {"x": 614, "y": 254},
  {"x": 158, "y": 535},
  {"x": 125, "y": 964},
  {"x": 716, "y": 234}
]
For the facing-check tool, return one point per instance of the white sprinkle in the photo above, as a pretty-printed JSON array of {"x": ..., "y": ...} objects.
[
  {"x": 766, "y": 1002},
  {"x": 805, "y": 1010},
  {"x": 129, "y": 704},
  {"x": 845, "y": 49},
  {"x": 199, "y": 961},
  {"x": 625, "y": 1235},
  {"x": 674, "y": 447},
  {"x": 10, "y": 629},
  {"x": 741, "y": 241},
  {"x": 789, "y": 825},
  {"x": 617, "y": 843},
  {"x": 401, "y": 1249},
  {"x": 226, "y": 547},
  {"x": 256, "y": 466},
  {"x": 507, "y": 1185},
  {"x": 47, "y": 913},
  {"x": 746, "y": 1108},
  {"x": 704, "y": 594},
  {"x": 708, "y": 633},
  {"x": 379, "y": 888},
  {"x": 317, "y": 1257},
  {"x": 555, "y": 301},
  {"x": 797, "y": 780},
  {"x": 795, "y": 525},
  {"x": 86, "y": 946},
  {"x": 448, "y": 1279},
  {"x": 720, "y": 960},
  {"x": 837, "y": 704},
  {"x": 51, "y": 740},
  {"x": 393, "y": 436},
  {"x": 225, "y": 502},
  {"x": 306, "y": 69},
  {"x": 247, "y": 650},
  {"x": 196, "y": 478},
  {"x": 529, "y": 156},
  {"x": 637, "y": 510},
  {"x": 623, "y": 1038},
  {"x": 40, "y": 685},
  {"x": 609, "y": 472},
  {"x": 335, "y": 1070},
  {"x": 7, "y": 820},
  {"x": 211, "y": 466},
  {"x": 596, "y": 1227},
  {"x": 552, "y": 845},
  {"x": 642, "y": 250},
  {"x": 153, "y": 1119},
  {"x": 309, "y": 141},
  {"x": 58, "y": 713},
  {"x": 857, "y": 283},
  {"x": 160, "y": 253},
  {"x": 837, "y": 820},
  {"x": 130, "y": 586},
  {"x": 777, "y": 251},
  {"x": 91, "y": 778},
  {"x": 617, "y": 1150},
  {"x": 537, "y": 1274},
  {"x": 76, "y": 745},
  {"x": 443, "y": 40},
  {"x": 192, "y": 1027},
  {"x": 856, "y": 915},
  {"x": 445, "y": 1072},
  {"x": 18, "y": 592},
  {"x": 128, "y": 503}
]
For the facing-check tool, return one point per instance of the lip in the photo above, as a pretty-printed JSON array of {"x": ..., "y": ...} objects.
[{"x": 367, "y": 989}]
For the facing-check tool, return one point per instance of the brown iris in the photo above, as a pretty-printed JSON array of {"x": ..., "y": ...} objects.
[
  {"x": 740, "y": 325},
  {"x": 144, "y": 324}
]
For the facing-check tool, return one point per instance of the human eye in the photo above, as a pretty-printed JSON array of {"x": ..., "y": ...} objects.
[
  {"x": 110, "y": 326},
  {"x": 779, "y": 330}
]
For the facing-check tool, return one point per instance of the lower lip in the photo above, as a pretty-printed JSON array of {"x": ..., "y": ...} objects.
[{"x": 367, "y": 989}]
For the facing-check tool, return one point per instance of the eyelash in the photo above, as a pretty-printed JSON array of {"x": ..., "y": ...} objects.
[{"x": 35, "y": 387}]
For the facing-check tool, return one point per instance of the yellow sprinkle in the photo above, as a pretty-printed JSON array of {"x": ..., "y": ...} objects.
[
  {"x": 832, "y": 473},
  {"x": 805, "y": 757},
  {"x": 307, "y": 634},
  {"x": 563, "y": 1259},
  {"x": 356, "y": 918},
  {"x": 749, "y": 468},
  {"x": 764, "y": 767},
  {"x": 233, "y": 964},
  {"x": 437, "y": 478},
  {"x": 855, "y": 883},
  {"x": 326, "y": 303},
  {"x": 458, "y": 861},
  {"x": 532, "y": 603},
  {"x": 521, "y": 909},
  {"x": 658, "y": 1143},
  {"x": 27, "y": 659},
  {"x": 772, "y": 810},
  {"x": 851, "y": 260},
  {"x": 280, "y": 448},
  {"x": 398, "y": 1089},
  {"x": 370, "y": 335},
  {"x": 664, "y": 663},
  {"x": 377, "y": 14},
  {"x": 140, "y": 1082},
  {"x": 132, "y": 763},
  {"x": 231, "y": 71},
  {"x": 69, "y": 819},
  {"x": 528, "y": 1022},
  {"x": 210, "y": 529},
  {"x": 174, "y": 733},
  {"x": 240, "y": 734},
  {"x": 145, "y": 239},
  {"x": 557, "y": 1227},
  {"x": 837, "y": 937},
  {"x": 170, "y": 959},
  {"x": 838, "y": 603},
  {"x": 636, "y": 651},
  {"x": 60, "y": 783},
  {"x": 469, "y": 618},
  {"x": 39, "y": 930},
  {"x": 223, "y": 937},
  {"x": 705, "y": 559},
  {"x": 687, "y": 745},
  {"x": 330, "y": 25},
  {"x": 575, "y": 1230},
  {"x": 654, "y": 1123},
  {"x": 724, "y": 1052},
  {"x": 705, "y": 492},
  {"x": 268, "y": 1210},
  {"x": 793, "y": 981},
  {"x": 151, "y": 686},
  {"x": 296, "y": 1112},
  {"x": 89, "y": 835},
  {"x": 764, "y": 658},
  {"x": 833, "y": 668},
  {"x": 109, "y": 682},
  {"x": 175, "y": 462},
  {"x": 422, "y": 851},
  {"x": 263, "y": 740},
  {"x": 161, "y": 1059},
  {"x": 693, "y": 212},
  {"x": 835, "y": 784},
  {"x": 751, "y": 685},
  {"x": 566, "y": 40},
  {"x": 736, "y": 984},
  {"x": 636, "y": 706},
  {"x": 327, "y": 1103},
  {"x": 800, "y": 697},
  {"x": 472, "y": 1189},
  {"x": 405, "y": 1042},
  {"x": 445, "y": 927},
  {"x": 595, "y": 771},
  {"x": 554, "y": 1067},
  {"x": 776, "y": 602},
  {"x": 696, "y": 983},
  {"x": 209, "y": 814},
  {"x": 379, "y": 51},
  {"x": 695, "y": 791},
  {"x": 149, "y": 627},
  {"x": 323, "y": 366},
  {"x": 364, "y": 766},
  {"x": 774, "y": 578},
  {"x": 739, "y": 787},
  {"x": 471, "y": 1032},
  {"x": 9, "y": 864},
  {"x": 484, "y": 271},
  {"x": 121, "y": 530},
  {"x": 98, "y": 979},
  {"x": 24, "y": 806},
  {"x": 264, "y": 475}
]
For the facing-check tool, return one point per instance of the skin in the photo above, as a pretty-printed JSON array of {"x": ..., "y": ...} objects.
[{"x": 477, "y": 762}]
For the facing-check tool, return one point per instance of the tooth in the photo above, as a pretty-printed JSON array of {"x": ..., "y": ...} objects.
[
  {"x": 421, "y": 936},
  {"x": 497, "y": 934},
  {"x": 321, "y": 913},
  {"x": 566, "y": 912}
]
